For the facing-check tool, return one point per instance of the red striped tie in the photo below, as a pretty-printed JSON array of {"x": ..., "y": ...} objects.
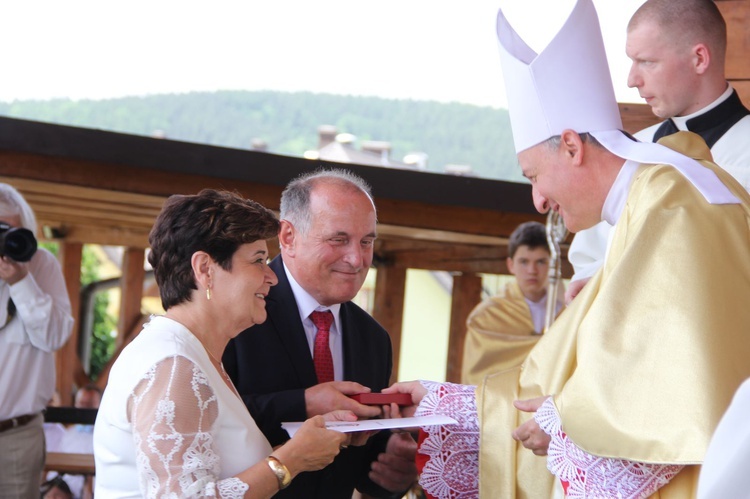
[{"x": 322, "y": 351}]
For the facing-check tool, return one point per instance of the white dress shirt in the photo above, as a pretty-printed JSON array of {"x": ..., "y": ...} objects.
[
  {"x": 306, "y": 305},
  {"x": 538, "y": 311},
  {"x": 42, "y": 324},
  {"x": 729, "y": 152}
]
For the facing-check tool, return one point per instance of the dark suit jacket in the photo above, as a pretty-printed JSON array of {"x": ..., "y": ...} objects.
[{"x": 271, "y": 366}]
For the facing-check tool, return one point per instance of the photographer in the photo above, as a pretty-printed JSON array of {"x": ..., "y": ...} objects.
[{"x": 35, "y": 320}]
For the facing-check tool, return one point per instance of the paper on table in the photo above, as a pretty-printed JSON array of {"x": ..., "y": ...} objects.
[{"x": 376, "y": 424}]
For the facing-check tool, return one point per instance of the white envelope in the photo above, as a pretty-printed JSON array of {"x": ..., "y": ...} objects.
[{"x": 376, "y": 424}]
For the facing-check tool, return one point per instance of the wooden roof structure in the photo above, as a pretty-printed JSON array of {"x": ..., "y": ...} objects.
[
  {"x": 91, "y": 186},
  {"x": 97, "y": 187}
]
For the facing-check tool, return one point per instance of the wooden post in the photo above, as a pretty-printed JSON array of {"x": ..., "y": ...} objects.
[
  {"x": 66, "y": 359},
  {"x": 388, "y": 309},
  {"x": 131, "y": 293},
  {"x": 737, "y": 16},
  {"x": 467, "y": 292}
]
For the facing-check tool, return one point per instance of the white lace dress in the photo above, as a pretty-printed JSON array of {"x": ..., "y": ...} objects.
[
  {"x": 451, "y": 454},
  {"x": 168, "y": 425}
]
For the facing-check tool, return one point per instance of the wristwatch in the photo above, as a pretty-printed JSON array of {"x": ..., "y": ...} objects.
[{"x": 281, "y": 471}]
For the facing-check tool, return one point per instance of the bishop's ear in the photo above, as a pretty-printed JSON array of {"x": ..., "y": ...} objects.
[{"x": 572, "y": 145}]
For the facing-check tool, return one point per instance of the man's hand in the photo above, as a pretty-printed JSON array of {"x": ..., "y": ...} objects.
[
  {"x": 415, "y": 389},
  {"x": 530, "y": 434},
  {"x": 12, "y": 271},
  {"x": 574, "y": 287},
  {"x": 334, "y": 395},
  {"x": 395, "y": 469}
]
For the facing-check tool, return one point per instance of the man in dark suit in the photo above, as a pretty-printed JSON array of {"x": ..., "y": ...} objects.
[{"x": 328, "y": 228}]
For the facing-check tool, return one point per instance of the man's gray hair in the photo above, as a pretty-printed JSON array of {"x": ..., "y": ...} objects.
[
  {"x": 295, "y": 200},
  {"x": 12, "y": 203},
  {"x": 554, "y": 141}
]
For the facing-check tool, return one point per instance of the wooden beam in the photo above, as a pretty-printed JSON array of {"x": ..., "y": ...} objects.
[
  {"x": 109, "y": 161},
  {"x": 737, "y": 16},
  {"x": 459, "y": 219},
  {"x": 447, "y": 256},
  {"x": 107, "y": 236},
  {"x": 133, "y": 274},
  {"x": 105, "y": 198},
  {"x": 126, "y": 179},
  {"x": 130, "y": 180},
  {"x": 388, "y": 309},
  {"x": 64, "y": 462},
  {"x": 743, "y": 89},
  {"x": 443, "y": 256},
  {"x": 90, "y": 215},
  {"x": 389, "y": 232},
  {"x": 636, "y": 117},
  {"x": 66, "y": 359},
  {"x": 467, "y": 292}
]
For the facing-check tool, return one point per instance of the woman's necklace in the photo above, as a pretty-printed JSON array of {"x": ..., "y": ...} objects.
[{"x": 219, "y": 365}]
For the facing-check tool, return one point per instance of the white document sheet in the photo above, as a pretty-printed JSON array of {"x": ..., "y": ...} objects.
[{"x": 376, "y": 424}]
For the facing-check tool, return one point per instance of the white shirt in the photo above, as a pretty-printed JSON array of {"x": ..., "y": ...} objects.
[
  {"x": 169, "y": 425},
  {"x": 731, "y": 151},
  {"x": 41, "y": 325},
  {"x": 306, "y": 305},
  {"x": 538, "y": 311}
]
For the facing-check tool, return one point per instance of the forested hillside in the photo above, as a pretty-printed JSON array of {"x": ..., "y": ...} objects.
[{"x": 448, "y": 133}]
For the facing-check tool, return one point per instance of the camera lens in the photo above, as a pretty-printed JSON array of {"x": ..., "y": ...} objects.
[{"x": 18, "y": 244}]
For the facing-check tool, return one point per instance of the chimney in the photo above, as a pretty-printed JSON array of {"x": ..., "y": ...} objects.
[
  {"x": 459, "y": 170},
  {"x": 418, "y": 160},
  {"x": 378, "y": 147},
  {"x": 259, "y": 145},
  {"x": 326, "y": 135},
  {"x": 346, "y": 139}
]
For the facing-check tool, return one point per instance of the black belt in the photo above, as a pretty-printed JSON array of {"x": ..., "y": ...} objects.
[{"x": 16, "y": 422}]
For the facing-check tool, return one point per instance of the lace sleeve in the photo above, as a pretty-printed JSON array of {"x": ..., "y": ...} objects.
[
  {"x": 586, "y": 475},
  {"x": 172, "y": 411},
  {"x": 452, "y": 451}
]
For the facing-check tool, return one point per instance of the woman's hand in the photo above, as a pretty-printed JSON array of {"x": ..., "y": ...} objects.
[
  {"x": 313, "y": 447},
  {"x": 356, "y": 438}
]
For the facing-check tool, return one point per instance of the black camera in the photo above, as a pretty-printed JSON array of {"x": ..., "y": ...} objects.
[{"x": 18, "y": 244}]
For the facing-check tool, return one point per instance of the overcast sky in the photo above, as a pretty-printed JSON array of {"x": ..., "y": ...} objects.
[{"x": 441, "y": 50}]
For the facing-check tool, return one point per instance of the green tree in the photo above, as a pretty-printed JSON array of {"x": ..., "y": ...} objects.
[
  {"x": 102, "y": 339},
  {"x": 449, "y": 133}
]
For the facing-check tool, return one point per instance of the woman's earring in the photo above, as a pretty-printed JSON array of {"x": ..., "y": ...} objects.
[{"x": 208, "y": 294}]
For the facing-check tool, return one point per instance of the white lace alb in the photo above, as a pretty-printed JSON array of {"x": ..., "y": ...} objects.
[
  {"x": 452, "y": 468},
  {"x": 590, "y": 476}
]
